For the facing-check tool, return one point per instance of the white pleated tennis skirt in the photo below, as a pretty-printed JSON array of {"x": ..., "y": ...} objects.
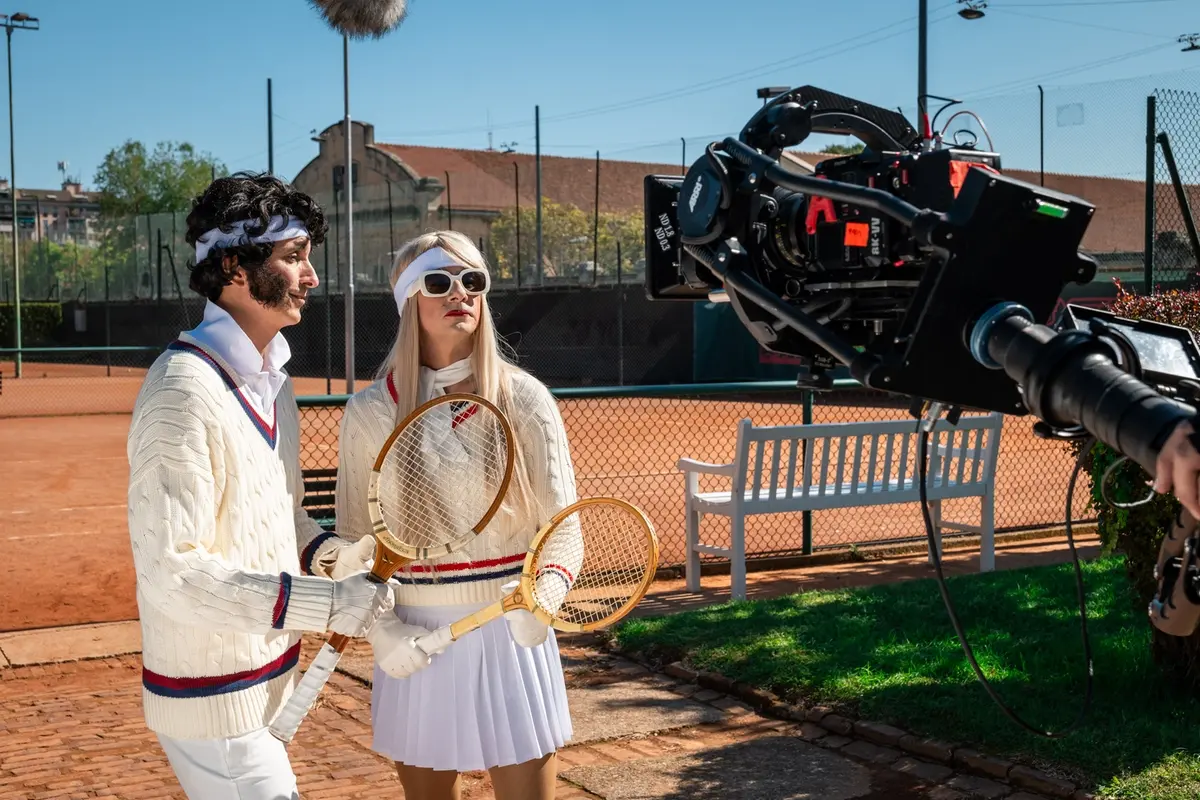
[{"x": 484, "y": 702}]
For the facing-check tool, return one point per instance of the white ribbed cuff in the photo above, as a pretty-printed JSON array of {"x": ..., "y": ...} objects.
[{"x": 309, "y": 604}]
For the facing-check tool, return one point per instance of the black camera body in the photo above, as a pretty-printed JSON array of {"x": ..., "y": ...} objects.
[
  {"x": 947, "y": 238},
  {"x": 846, "y": 265}
]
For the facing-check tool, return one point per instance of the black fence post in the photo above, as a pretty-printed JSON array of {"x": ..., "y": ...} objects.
[
  {"x": 1151, "y": 103},
  {"x": 806, "y": 516},
  {"x": 328, "y": 324},
  {"x": 596, "y": 226},
  {"x": 620, "y": 322},
  {"x": 1041, "y": 135},
  {"x": 107, "y": 326}
]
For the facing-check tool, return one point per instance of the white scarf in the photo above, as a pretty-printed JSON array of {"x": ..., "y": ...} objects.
[
  {"x": 433, "y": 382},
  {"x": 440, "y": 439}
]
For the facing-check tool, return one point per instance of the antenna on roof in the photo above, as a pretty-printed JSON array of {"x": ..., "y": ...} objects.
[{"x": 489, "y": 126}]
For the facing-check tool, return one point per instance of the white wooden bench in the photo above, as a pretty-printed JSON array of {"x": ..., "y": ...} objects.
[{"x": 792, "y": 468}]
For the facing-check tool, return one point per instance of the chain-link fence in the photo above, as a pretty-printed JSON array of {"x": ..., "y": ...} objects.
[
  {"x": 1173, "y": 172},
  {"x": 603, "y": 336},
  {"x": 141, "y": 258},
  {"x": 627, "y": 444}
]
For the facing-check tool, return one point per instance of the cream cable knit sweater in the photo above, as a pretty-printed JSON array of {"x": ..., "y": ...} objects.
[
  {"x": 217, "y": 528},
  {"x": 475, "y": 574}
]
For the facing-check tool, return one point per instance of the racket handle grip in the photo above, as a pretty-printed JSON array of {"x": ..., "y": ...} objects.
[
  {"x": 435, "y": 642},
  {"x": 287, "y": 722}
]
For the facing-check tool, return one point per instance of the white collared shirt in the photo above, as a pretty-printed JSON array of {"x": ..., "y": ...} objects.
[{"x": 261, "y": 376}]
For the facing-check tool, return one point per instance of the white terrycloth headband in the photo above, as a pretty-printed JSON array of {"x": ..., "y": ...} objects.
[
  {"x": 278, "y": 229},
  {"x": 431, "y": 259}
]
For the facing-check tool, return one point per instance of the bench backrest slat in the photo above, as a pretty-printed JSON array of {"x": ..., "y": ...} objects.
[
  {"x": 794, "y": 445},
  {"x": 888, "y": 465},
  {"x": 776, "y": 455},
  {"x": 856, "y": 473},
  {"x": 825, "y": 463},
  {"x": 758, "y": 463},
  {"x": 874, "y": 459},
  {"x": 841, "y": 462}
]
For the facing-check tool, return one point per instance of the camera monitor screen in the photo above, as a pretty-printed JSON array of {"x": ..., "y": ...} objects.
[{"x": 1166, "y": 352}]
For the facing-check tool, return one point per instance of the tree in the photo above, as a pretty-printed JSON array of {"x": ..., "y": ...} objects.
[
  {"x": 134, "y": 184},
  {"x": 63, "y": 268},
  {"x": 132, "y": 181},
  {"x": 567, "y": 241},
  {"x": 842, "y": 149}
]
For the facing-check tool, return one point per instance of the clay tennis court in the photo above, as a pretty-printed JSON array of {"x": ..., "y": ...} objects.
[{"x": 64, "y": 541}]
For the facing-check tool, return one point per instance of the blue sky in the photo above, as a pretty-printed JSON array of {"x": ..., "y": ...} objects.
[{"x": 103, "y": 71}]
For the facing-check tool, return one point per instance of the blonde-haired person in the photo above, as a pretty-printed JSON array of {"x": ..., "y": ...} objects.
[{"x": 495, "y": 699}]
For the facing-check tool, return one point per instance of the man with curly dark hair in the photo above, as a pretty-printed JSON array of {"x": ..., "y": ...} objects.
[{"x": 230, "y": 568}]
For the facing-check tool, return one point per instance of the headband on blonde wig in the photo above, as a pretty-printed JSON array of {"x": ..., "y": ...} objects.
[{"x": 431, "y": 259}]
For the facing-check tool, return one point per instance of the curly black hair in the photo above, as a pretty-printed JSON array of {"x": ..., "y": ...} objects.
[{"x": 242, "y": 196}]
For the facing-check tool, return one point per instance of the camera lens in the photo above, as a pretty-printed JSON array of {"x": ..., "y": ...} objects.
[{"x": 788, "y": 237}]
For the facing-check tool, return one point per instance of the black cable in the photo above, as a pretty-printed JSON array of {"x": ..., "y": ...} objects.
[{"x": 923, "y": 457}]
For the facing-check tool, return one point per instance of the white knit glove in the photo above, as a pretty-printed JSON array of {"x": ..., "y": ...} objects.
[
  {"x": 394, "y": 643},
  {"x": 358, "y": 603},
  {"x": 352, "y": 558},
  {"x": 526, "y": 629}
]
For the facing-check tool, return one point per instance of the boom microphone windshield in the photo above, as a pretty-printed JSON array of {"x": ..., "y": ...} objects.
[{"x": 360, "y": 19}]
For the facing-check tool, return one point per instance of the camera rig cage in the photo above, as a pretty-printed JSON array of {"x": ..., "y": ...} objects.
[{"x": 915, "y": 319}]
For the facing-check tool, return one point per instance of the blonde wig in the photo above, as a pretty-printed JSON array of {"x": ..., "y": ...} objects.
[{"x": 491, "y": 363}]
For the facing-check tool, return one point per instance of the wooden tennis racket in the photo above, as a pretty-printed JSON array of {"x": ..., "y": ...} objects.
[
  {"x": 437, "y": 482},
  {"x": 585, "y": 570}
]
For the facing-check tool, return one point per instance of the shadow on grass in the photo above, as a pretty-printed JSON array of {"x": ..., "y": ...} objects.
[{"x": 889, "y": 653}]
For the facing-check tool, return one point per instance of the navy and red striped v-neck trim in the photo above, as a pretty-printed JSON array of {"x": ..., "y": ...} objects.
[
  {"x": 269, "y": 432},
  {"x": 462, "y": 412}
]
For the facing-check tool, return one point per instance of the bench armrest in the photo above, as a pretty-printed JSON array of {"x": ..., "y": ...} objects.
[{"x": 691, "y": 465}]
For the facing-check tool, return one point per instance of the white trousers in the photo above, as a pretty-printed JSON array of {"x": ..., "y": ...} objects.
[{"x": 253, "y": 766}]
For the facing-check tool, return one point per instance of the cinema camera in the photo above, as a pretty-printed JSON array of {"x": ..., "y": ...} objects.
[
  {"x": 919, "y": 267},
  {"x": 923, "y": 270}
]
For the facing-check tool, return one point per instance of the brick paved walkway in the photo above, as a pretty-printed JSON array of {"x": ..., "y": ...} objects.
[{"x": 74, "y": 730}]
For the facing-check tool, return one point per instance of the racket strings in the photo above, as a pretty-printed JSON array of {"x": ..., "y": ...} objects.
[
  {"x": 594, "y": 564},
  {"x": 441, "y": 475}
]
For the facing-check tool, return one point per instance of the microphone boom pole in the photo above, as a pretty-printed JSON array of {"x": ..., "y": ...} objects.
[{"x": 355, "y": 19}]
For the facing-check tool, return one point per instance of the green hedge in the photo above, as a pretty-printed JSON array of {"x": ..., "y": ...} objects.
[{"x": 38, "y": 323}]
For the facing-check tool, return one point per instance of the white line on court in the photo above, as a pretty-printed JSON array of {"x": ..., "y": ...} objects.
[
  {"x": 61, "y": 510},
  {"x": 10, "y": 462},
  {"x": 50, "y": 535}
]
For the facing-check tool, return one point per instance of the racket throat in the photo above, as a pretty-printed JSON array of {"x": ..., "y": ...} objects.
[{"x": 386, "y": 564}]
